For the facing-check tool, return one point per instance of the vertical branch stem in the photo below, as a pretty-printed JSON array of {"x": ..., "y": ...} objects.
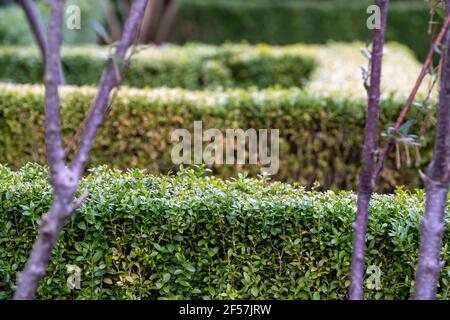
[
  {"x": 108, "y": 82},
  {"x": 65, "y": 180},
  {"x": 166, "y": 22},
  {"x": 366, "y": 183},
  {"x": 437, "y": 182},
  {"x": 53, "y": 140},
  {"x": 38, "y": 29},
  {"x": 53, "y": 222}
]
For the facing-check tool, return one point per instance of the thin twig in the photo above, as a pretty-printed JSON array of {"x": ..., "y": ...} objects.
[
  {"x": 437, "y": 182},
  {"x": 38, "y": 29}
]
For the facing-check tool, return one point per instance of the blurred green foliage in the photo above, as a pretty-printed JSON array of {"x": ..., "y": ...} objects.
[
  {"x": 14, "y": 28},
  {"x": 321, "y": 126},
  {"x": 320, "y": 136},
  {"x": 275, "y": 22},
  {"x": 193, "y": 66},
  {"x": 285, "y": 22}
]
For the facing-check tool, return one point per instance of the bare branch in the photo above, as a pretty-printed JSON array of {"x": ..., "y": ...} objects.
[
  {"x": 78, "y": 202},
  {"x": 114, "y": 26},
  {"x": 108, "y": 82},
  {"x": 166, "y": 22},
  {"x": 437, "y": 182},
  {"x": 54, "y": 144},
  {"x": 366, "y": 183},
  {"x": 65, "y": 180},
  {"x": 36, "y": 24},
  {"x": 53, "y": 222},
  {"x": 152, "y": 15},
  {"x": 38, "y": 29},
  {"x": 51, "y": 225}
]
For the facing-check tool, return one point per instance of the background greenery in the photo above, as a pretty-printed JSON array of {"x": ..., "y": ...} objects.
[
  {"x": 192, "y": 66},
  {"x": 190, "y": 236},
  {"x": 334, "y": 68},
  {"x": 275, "y": 22},
  {"x": 321, "y": 126},
  {"x": 320, "y": 136},
  {"x": 285, "y": 22},
  {"x": 14, "y": 29}
]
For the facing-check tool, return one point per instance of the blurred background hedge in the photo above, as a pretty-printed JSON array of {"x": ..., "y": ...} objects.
[
  {"x": 320, "y": 137},
  {"x": 194, "y": 237},
  {"x": 285, "y": 22},
  {"x": 275, "y": 22},
  {"x": 192, "y": 66},
  {"x": 334, "y": 68},
  {"x": 321, "y": 126}
]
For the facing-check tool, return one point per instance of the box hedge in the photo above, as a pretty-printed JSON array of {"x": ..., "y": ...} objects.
[
  {"x": 194, "y": 237},
  {"x": 333, "y": 68},
  {"x": 285, "y": 22},
  {"x": 192, "y": 66},
  {"x": 320, "y": 136}
]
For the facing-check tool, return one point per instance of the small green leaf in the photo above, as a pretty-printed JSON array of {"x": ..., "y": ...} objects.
[
  {"x": 191, "y": 268},
  {"x": 404, "y": 128},
  {"x": 166, "y": 277}
]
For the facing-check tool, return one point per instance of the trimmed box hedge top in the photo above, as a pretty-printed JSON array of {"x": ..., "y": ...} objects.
[
  {"x": 192, "y": 66},
  {"x": 335, "y": 67},
  {"x": 338, "y": 71},
  {"x": 195, "y": 237}
]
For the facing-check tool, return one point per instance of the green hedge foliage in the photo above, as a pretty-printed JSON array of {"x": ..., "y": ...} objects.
[
  {"x": 192, "y": 66},
  {"x": 284, "y": 22},
  {"x": 320, "y": 136},
  {"x": 194, "y": 237}
]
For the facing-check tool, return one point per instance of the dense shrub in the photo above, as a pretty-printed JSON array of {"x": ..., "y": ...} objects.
[
  {"x": 320, "y": 136},
  {"x": 193, "y": 237},
  {"x": 284, "y": 22},
  {"x": 192, "y": 66}
]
